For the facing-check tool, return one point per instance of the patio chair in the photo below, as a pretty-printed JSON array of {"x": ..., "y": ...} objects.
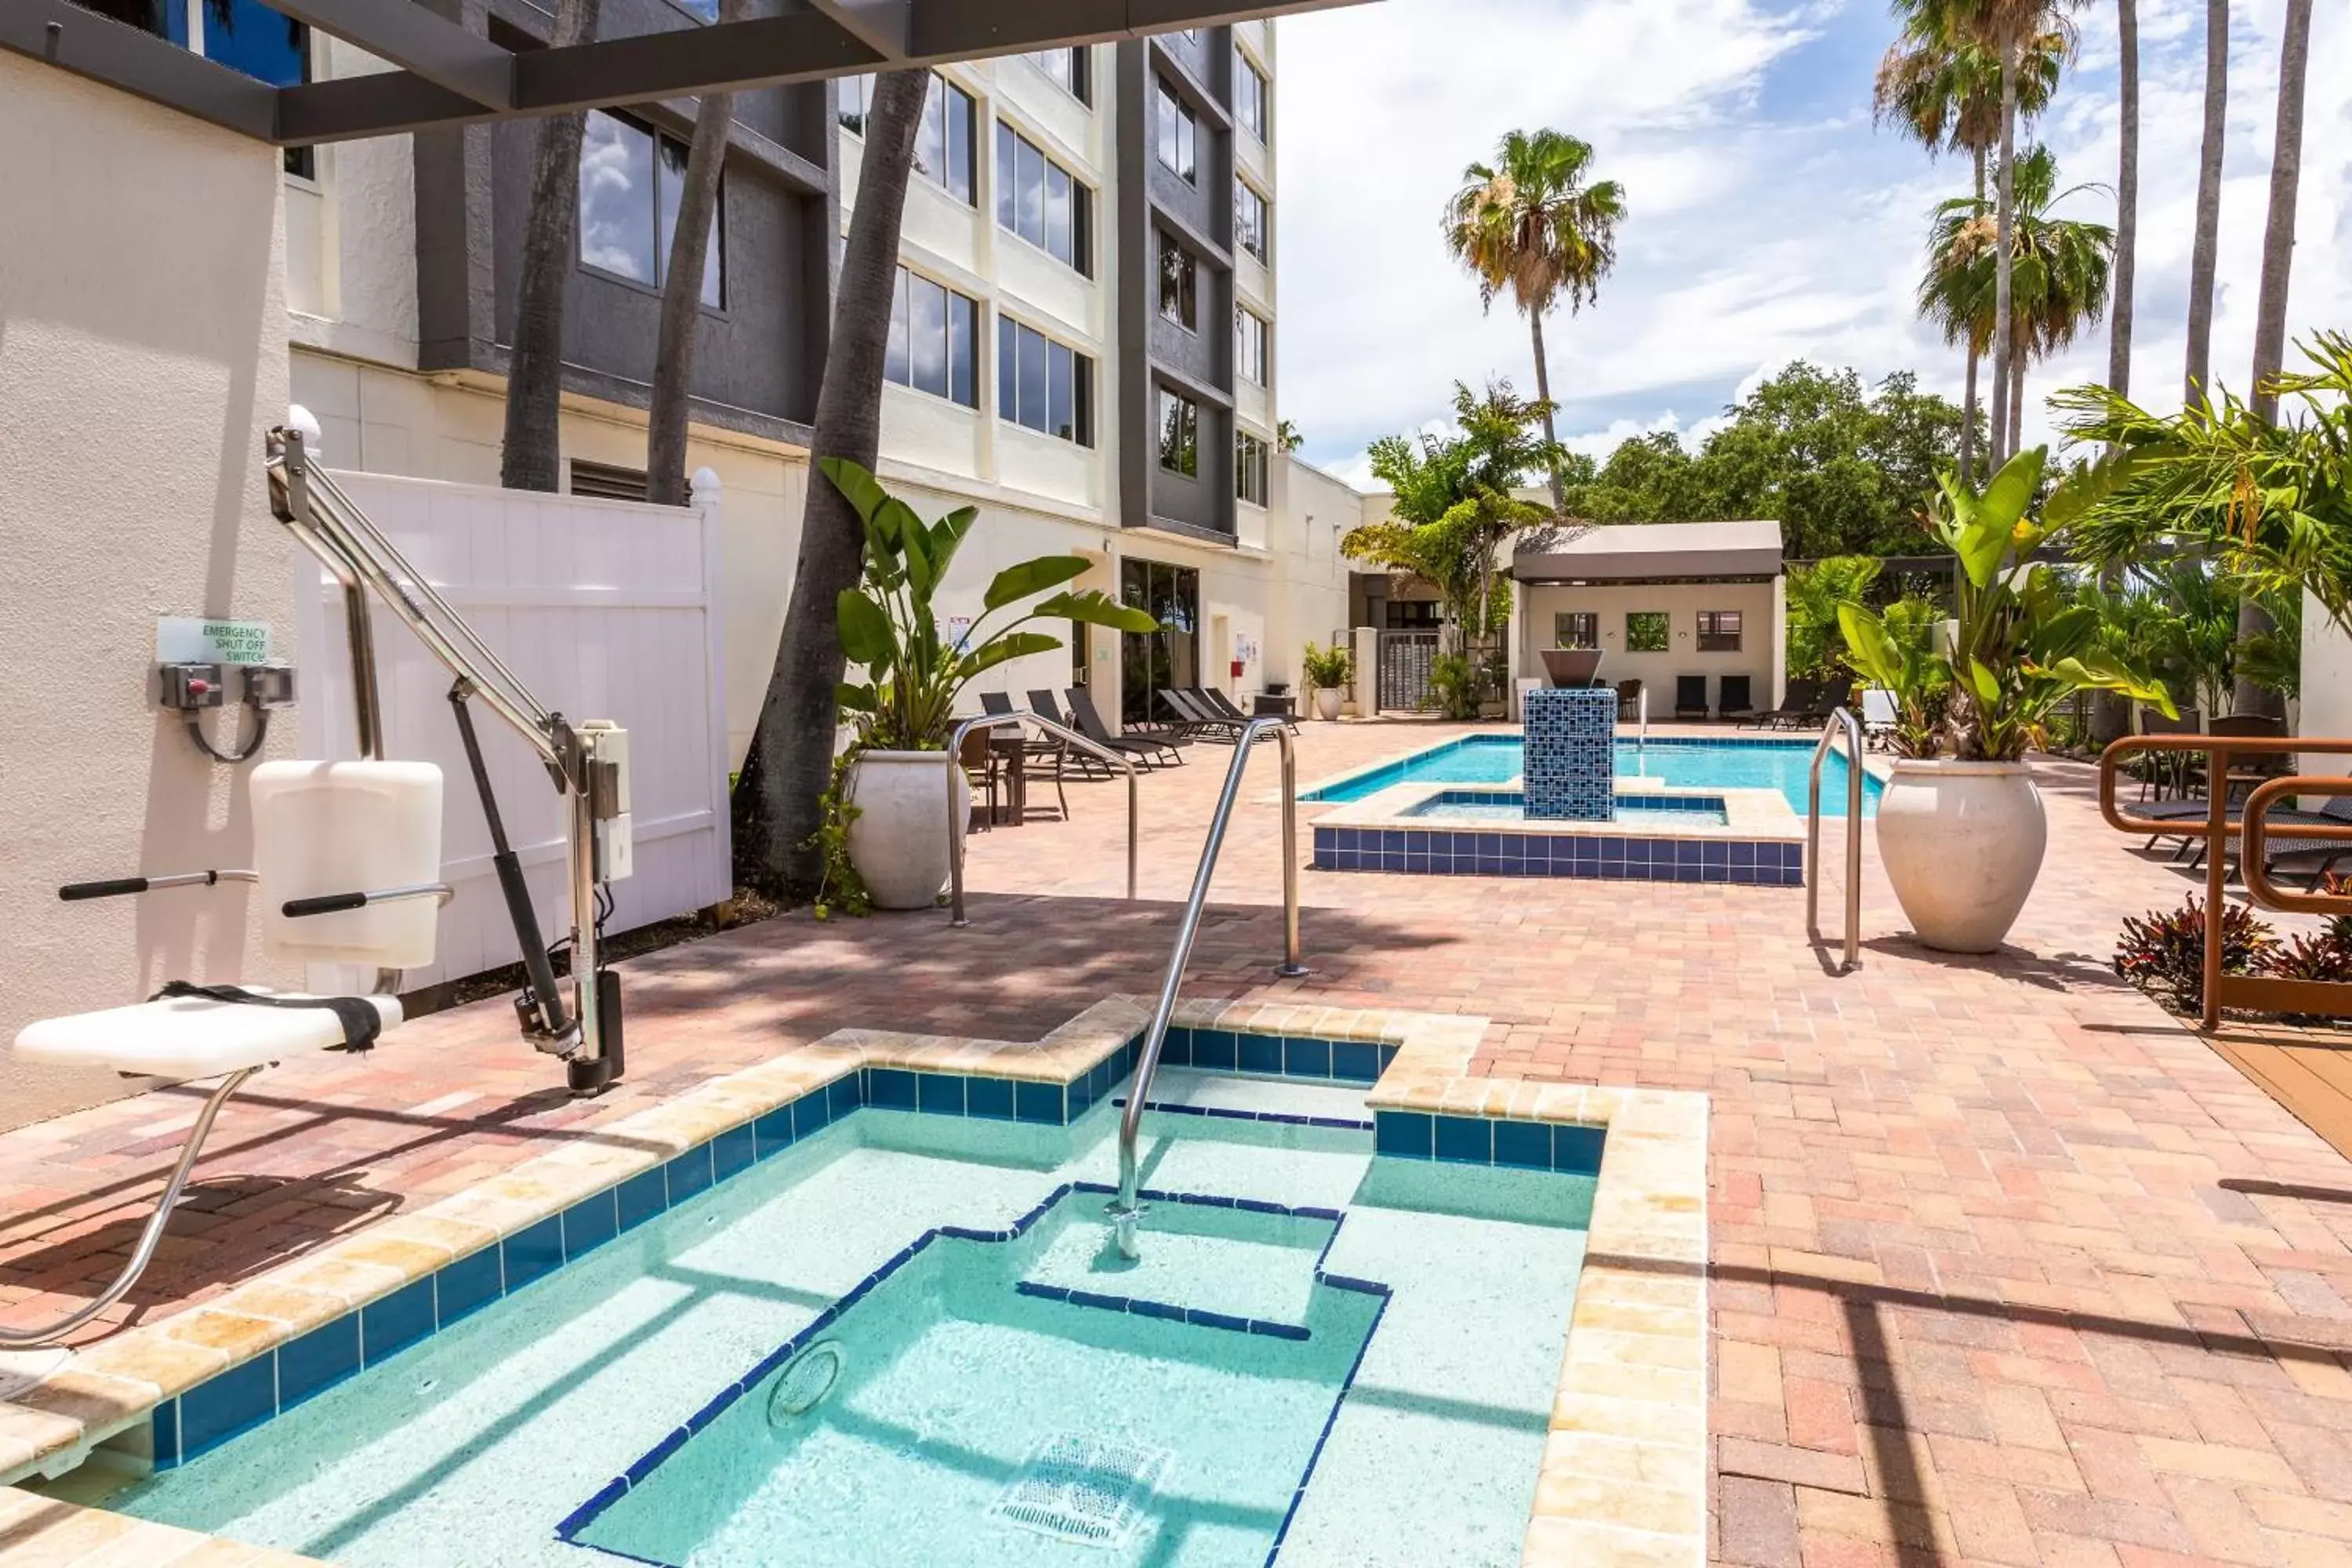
[
  {"x": 1149, "y": 750},
  {"x": 2165, "y": 771},
  {"x": 2312, "y": 857},
  {"x": 1734, "y": 701},
  {"x": 1195, "y": 721},
  {"x": 1037, "y": 746},
  {"x": 1879, "y": 715},
  {"x": 1794, "y": 705},
  {"x": 1219, "y": 703},
  {"x": 1629, "y": 700},
  {"x": 1690, "y": 697},
  {"x": 982, "y": 766},
  {"x": 1088, "y": 766}
]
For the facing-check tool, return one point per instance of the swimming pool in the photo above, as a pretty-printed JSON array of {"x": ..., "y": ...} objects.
[
  {"x": 888, "y": 1329},
  {"x": 1681, "y": 762}
]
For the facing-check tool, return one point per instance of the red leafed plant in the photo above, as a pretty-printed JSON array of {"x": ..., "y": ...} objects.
[{"x": 2163, "y": 953}]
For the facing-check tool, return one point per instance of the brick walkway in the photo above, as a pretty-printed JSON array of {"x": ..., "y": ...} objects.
[{"x": 2008, "y": 1265}]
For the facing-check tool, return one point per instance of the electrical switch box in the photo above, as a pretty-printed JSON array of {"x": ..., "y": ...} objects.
[
  {"x": 608, "y": 799},
  {"x": 188, "y": 686}
]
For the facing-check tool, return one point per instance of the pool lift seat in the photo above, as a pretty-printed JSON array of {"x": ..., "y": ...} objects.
[{"x": 346, "y": 867}]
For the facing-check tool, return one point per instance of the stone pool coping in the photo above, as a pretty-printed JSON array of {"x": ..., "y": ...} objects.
[
  {"x": 1623, "y": 1470},
  {"x": 1749, "y": 815}
]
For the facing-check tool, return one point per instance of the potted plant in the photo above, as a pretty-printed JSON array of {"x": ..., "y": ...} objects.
[
  {"x": 1327, "y": 670},
  {"x": 1960, "y": 827},
  {"x": 895, "y": 786}
]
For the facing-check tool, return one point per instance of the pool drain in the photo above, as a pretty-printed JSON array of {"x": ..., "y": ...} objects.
[
  {"x": 1088, "y": 1490},
  {"x": 806, "y": 1379}
]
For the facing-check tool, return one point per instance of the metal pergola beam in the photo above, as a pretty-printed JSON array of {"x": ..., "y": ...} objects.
[{"x": 445, "y": 81}]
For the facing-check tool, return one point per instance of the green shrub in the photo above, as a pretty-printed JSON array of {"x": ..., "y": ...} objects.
[{"x": 1327, "y": 669}]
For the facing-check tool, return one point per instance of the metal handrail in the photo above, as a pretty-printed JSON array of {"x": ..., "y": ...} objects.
[
  {"x": 1841, "y": 721},
  {"x": 1642, "y": 710},
  {"x": 956, "y": 916},
  {"x": 1128, "y": 1209}
]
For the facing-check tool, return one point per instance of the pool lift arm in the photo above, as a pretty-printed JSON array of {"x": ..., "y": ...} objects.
[{"x": 587, "y": 762}]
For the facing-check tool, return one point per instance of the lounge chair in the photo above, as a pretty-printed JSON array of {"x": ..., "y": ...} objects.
[
  {"x": 1629, "y": 700},
  {"x": 2312, "y": 857},
  {"x": 1151, "y": 750},
  {"x": 1087, "y": 762},
  {"x": 1794, "y": 706},
  {"x": 1734, "y": 701},
  {"x": 1039, "y": 747},
  {"x": 1220, "y": 704},
  {"x": 1195, "y": 721},
  {"x": 1690, "y": 697},
  {"x": 1879, "y": 715}
]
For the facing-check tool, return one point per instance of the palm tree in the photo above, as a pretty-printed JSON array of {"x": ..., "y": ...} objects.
[
  {"x": 1531, "y": 223},
  {"x": 2204, "y": 248},
  {"x": 532, "y": 453},
  {"x": 778, "y": 805},
  {"x": 1944, "y": 92},
  {"x": 681, "y": 306},
  {"x": 2119, "y": 328},
  {"x": 2061, "y": 271}
]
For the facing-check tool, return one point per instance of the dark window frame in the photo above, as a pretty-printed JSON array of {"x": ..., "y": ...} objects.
[
  {"x": 898, "y": 356},
  {"x": 1252, "y": 352},
  {"x": 1180, "y": 434},
  {"x": 1180, "y": 284},
  {"x": 1255, "y": 237},
  {"x": 1253, "y": 107},
  {"x": 1010, "y": 143},
  {"x": 1013, "y": 334},
  {"x": 1079, "y": 80},
  {"x": 714, "y": 270},
  {"x": 1719, "y": 631},
  {"x": 1576, "y": 629},
  {"x": 1253, "y": 459},
  {"x": 1176, "y": 134}
]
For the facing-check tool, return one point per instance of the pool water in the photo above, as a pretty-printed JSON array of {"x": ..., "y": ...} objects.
[
  {"x": 907, "y": 1340},
  {"x": 1678, "y": 763}
]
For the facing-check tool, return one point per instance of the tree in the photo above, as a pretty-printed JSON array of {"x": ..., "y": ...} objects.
[
  {"x": 681, "y": 306},
  {"x": 2205, "y": 245},
  {"x": 1816, "y": 643},
  {"x": 532, "y": 455},
  {"x": 1530, "y": 223},
  {"x": 1287, "y": 435},
  {"x": 2120, "y": 326},
  {"x": 778, "y": 800}
]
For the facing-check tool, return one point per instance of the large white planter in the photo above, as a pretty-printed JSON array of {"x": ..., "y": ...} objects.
[
  {"x": 1962, "y": 842},
  {"x": 1326, "y": 703},
  {"x": 898, "y": 839}
]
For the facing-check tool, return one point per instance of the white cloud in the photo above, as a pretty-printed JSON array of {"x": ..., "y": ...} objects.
[{"x": 1768, "y": 221}]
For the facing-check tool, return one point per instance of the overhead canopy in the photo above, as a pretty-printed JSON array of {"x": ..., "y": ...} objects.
[
  {"x": 1647, "y": 551},
  {"x": 449, "y": 76}
]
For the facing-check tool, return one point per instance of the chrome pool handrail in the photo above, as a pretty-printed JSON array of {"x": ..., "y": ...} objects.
[
  {"x": 956, "y": 916},
  {"x": 1840, "y": 721},
  {"x": 1128, "y": 1209}
]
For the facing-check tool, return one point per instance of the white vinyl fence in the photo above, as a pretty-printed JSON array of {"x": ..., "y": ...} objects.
[{"x": 606, "y": 610}]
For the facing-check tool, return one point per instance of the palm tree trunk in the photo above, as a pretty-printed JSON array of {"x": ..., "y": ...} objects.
[
  {"x": 2270, "y": 312},
  {"x": 778, "y": 801},
  {"x": 532, "y": 457},
  {"x": 2120, "y": 326},
  {"x": 681, "y": 307},
  {"x": 1543, "y": 395},
  {"x": 2203, "y": 251},
  {"x": 2004, "y": 220},
  {"x": 2016, "y": 405},
  {"x": 1969, "y": 396}
]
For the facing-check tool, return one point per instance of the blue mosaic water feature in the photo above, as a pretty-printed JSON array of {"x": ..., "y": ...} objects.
[
  {"x": 1566, "y": 754},
  {"x": 1680, "y": 762}
]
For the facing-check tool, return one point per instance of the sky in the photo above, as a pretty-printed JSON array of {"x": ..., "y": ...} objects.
[{"x": 1768, "y": 220}]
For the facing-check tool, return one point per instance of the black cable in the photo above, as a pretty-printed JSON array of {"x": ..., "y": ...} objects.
[{"x": 252, "y": 742}]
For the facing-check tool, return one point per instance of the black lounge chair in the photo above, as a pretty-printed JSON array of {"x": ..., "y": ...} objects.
[
  {"x": 1222, "y": 706},
  {"x": 1039, "y": 747},
  {"x": 1690, "y": 697},
  {"x": 1629, "y": 700},
  {"x": 1195, "y": 721},
  {"x": 1087, "y": 762},
  {"x": 1151, "y": 750},
  {"x": 1795, "y": 707},
  {"x": 1735, "y": 702}
]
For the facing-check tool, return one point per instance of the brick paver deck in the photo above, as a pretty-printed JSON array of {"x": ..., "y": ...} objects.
[{"x": 2007, "y": 1266}]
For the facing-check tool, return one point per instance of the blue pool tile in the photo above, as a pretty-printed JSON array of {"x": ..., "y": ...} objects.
[
  {"x": 1039, "y": 1102},
  {"x": 773, "y": 1133},
  {"x": 1214, "y": 1048},
  {"x": 1202, "y": 1318},
  {"x": 1176, "y": 1047},
  {"x": 1355, "y": 1061},
  {"x": 890, "y": 1089},
  {"x": 476, "y": 1280},
  {"x": 320, "y": 1359},
  {"x": 990, "y": 1097},
  {"x": 536, "y": 1251},
  {"x": 1261, "y": 1053},
  {"x": 1715, "y": 853},
  {"x": 390, "y": 1325},
  {"x": 1402, "y": 1132},
  {"x": 938, "y": 1093},
  {"x": 1469, "y": 1139},
  {"x": 219, "y": 1408},
  {"x": 731, "y": 1152},
  {"x": 1526, "y": 1145},
  {"x": 163, "y": 1431},
  {"x": 844, "y": 1095},
  {"x": 813, "y": 1113},
  {"x": 1577, "y": 1150},
  {"x": 642, "y": 1197},
  {"x": 1081, "y": 1097},
  {"x": 1304, "y": 1057},
  {"x": 689, "y": 1174},
  {"x": 1392, "y": 842},
  {"x": 594, "y": 1221}
]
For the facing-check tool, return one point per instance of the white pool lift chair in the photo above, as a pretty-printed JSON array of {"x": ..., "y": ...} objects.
[{"x": 346, "y": 868}]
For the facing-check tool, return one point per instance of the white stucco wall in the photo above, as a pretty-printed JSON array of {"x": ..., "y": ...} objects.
[
  {"x": 2326, "y": 705},
  {"x": 1758, "y": 645},
  {"x": 142, "y": 354}
]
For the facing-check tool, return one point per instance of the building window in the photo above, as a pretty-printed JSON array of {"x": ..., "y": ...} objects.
[
  {"x": 631, "y": 182},
  {"x": 856, "y": 102},
  {"x": 1180, "y": 434},
  {"x": 1041, "y": 202},
  {"x": 1249, "y": 468},
  {"x": 1178, "y": 130},
  {"x": 246, "y": 36},
  {"x": 1250, "y": 96},
  {"x": 1646, "y": 631},
  {"x": 1718, "y": 631},
  {"x": 1044, "y": 384},
  {"x": 934, "y": 340},
  {"x": 1179, "y": 282},
  {"x": 1069, "y": 68},
  {"x": 944, "y": 145},
  {"x": 1250, "y": 337},
  {"x": 1576, "y": 629},
  {"x": 1252, "y": 224}
]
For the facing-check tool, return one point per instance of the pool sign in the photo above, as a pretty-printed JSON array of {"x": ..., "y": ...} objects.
[{"x": 199, "y": 640}]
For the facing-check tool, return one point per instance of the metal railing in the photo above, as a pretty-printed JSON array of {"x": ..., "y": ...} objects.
[
  {"x": 2250, "y": 993},
  {"x": 1128, "y": 1208},
  {"x": 1841, "y": 721},
  {"x": 1017, "y": 715}
]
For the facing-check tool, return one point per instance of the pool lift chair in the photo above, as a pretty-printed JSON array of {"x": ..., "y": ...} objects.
[{"x": 347, "y": 866}]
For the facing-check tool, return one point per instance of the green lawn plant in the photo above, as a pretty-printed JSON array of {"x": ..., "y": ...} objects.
[
  {"x": 913, "y": 673},
  {"x": 2020, "y": 645}
]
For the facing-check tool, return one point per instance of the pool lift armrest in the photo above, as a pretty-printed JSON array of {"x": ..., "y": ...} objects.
[
  {"x": 335, "y": 903},
  {"x": 123, "y": 887},
  {"x": 586, "y": 761}
]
